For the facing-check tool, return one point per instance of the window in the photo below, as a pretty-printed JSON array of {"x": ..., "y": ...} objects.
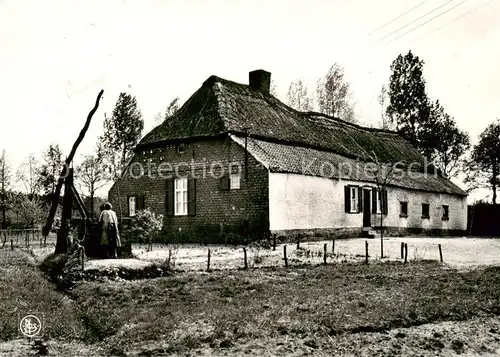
[
  {"x": 425, "y": 210},
  {"x": 181, "y": 148},
  {"x": 378, "y": 203},
  {"x": 180, "y": 196},
  {"x": 234, "y": 181},
  {"x": 131, "y": 206},
  {"x": 354, "y": 199},
  {"x": 445, "y": 213},
  {"x": 403, "y": 212}
]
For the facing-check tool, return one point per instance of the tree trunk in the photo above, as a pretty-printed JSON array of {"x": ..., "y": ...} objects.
[{"x": 62, "y": 245}]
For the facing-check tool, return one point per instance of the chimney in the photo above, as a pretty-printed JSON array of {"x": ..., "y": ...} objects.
[{"x": 260, "y": 80}]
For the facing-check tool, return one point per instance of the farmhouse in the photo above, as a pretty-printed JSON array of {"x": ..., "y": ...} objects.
[{"x": 236, "y": 159}]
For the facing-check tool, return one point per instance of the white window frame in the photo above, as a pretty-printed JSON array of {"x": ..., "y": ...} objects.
[
  {"x": 235, "y": 181},
  {"x": 353, "y": 196},
  {"x": 132, "y": 205},
  {"x": 180, "y": 196},
  {"x": 378, "y": 201}
]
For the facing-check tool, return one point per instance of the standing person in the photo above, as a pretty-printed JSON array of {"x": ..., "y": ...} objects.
[{"x": 110, "y": 236}]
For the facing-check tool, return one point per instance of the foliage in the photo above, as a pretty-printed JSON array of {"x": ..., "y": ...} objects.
[
  {"x": 483, "y": 168},
  {"x": 145, "y": 224},
  {"x": 298, "y": 97},
  {"x": 49, "y": 170},
  {"x": 122, "y": 132},
  {"x": 408, "y": 105},
  {"x": 29, "y": 175},
  {"x": 448, "y": 143},
  {"x": 91, "y": 175},
  {"x": 30, "y": 210},
  {"x": 5, "y": 185},
  {"x": 333, "y": 95}
]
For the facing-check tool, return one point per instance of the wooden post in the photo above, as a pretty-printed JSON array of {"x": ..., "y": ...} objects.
[
  {"x": 11, "y": 244},
  {"x": 284, "y": 255},
  {"x": 324, "y": 253},
  {"x": 208, "y": 261},
  {"x": 333, "y": 246},
  {"x": 83, "y": 258},
  {"x": 440, "y": 253},
  {"x": 406, "y": 253},
  {"x": 245, "y": 257},
  {"x": 274, "y": 242},
  {"x": 298, "y": 242},
  {"x": 402, "y": 250},
  {"x": 366, "y": 251}
]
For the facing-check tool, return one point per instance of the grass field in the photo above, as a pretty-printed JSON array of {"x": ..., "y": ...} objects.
[{"x": 383, "y": 309}]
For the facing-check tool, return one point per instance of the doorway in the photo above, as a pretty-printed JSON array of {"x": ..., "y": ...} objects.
[{"x": 367, "y": 200}]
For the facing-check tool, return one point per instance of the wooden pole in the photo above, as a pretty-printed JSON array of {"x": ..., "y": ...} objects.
[
  {"x": 406, "y": 253},
  {"x": 11, "y": 244},
  {"x": 402, "y": 250},
  {"x": 208, "y": 261},
  {"x": 366, "y": 252},
  {"x": 83, "y": 258},
  {"x": 245, "y": 257},
  {"x": 298, "y": 243},
  {"x": 440, "y": 253},
  {"x": 274, "y": 242},
  {"x": 324, "y": 253},
  {"x": 284, "y": 255},
  {"x": 333, "y": 246}
]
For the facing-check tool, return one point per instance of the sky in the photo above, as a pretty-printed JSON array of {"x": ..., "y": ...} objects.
[{"x": 55, "y": 57}]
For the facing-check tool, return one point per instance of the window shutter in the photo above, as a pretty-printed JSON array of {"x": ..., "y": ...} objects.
[
  {"x": 224, "y": 182},
  {"x": 128, "y": 206},
  {"x": 384, "y": 202},
  {"x": 360, "y": 199},
  {"x": 143, "y": 202},
  {"x": 374, "y": 200},
  {"x": 191, "y": 199},
  {"x": 347, "y": 199},
  {"x": 169, "y": 197}
]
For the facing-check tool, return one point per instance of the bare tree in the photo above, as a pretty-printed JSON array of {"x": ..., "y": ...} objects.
[
  {"x": 29, "y": 175},
  {"x": 5, "y": 185},
  {"x": 383, "y": 99},
  {"x": 273, "y": 89},
  {"x": 334, "y": 96},
  {"x": 91, "y": 175},
  {"x": 298, "y": 96}
]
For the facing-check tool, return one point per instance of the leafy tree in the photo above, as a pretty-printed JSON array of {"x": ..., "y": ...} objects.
[
  {"x": 333, "y": 95},
  {"x": 29, "y": 209},
  {"x": 484, "y": 166},
  {"x": 5, "y": 186},
  {"x": 29, "y": 175},
  {"x": 145, "y": 224},
  {"x": 298, "y": 96},
  {"x": 446, "y": 143},
  {"x": 50, "y": 169},
  {"x": 122, "y": 132},
  {"x": 91, "y": 175},
  {"x": 171, "y": 109},
  {"x": 408, "y": 105}
]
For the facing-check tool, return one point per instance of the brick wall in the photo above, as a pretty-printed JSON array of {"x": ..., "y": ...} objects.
[{"x": 205, "y": 160}]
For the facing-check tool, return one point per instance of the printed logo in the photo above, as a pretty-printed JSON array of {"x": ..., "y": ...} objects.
[{"x": 30, "y": 326}]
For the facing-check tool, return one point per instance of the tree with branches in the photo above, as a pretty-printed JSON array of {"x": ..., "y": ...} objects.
[
  {"x": 29, "y": 176},
  {"x": 5, "y": 187},
  {"x": 50, "y": 169},
  {"x": 91, "y": 175},
  {"x": 298, "y": 96},
  {"x": 334, "y": 95}
]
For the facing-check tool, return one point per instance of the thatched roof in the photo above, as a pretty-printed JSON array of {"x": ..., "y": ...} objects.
[
  {"x": 222, "y": 106},
  {"x": 286, "y": 135},
  {"x": 283, "y": 158}
]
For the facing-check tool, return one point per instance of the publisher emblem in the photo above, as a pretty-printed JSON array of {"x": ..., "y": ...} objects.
[{"x": 30, "y": 326}]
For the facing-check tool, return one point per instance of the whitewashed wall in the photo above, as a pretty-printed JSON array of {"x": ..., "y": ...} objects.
[{"x": 308, "y": 202}]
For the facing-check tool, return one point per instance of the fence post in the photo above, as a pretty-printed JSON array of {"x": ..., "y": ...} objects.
[
  {"x": 208, "y": 261},
  {"x": 406, "y": 253},
  {"x": 298, "y": 242},
  {"x": 324, "y": 253},
  {"x": 274, "y": 242},
  {"x": 402, "y": 250},
  {"x": 333, "y": 246},
  {"x": 11, "y": 244},
  {"x": 284, "y": 254},
  {"x": 245, "y": 257},
  {"x": 83, "y": 258},
  {"x": 440, "y": 253},
  {"x": 366, "y": 251}
]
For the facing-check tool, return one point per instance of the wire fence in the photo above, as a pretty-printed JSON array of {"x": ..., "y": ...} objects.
[{"x": 23, "y": 238}]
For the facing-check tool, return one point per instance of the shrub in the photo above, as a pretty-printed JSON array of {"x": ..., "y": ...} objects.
[{"x": 145, "y": 225}]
